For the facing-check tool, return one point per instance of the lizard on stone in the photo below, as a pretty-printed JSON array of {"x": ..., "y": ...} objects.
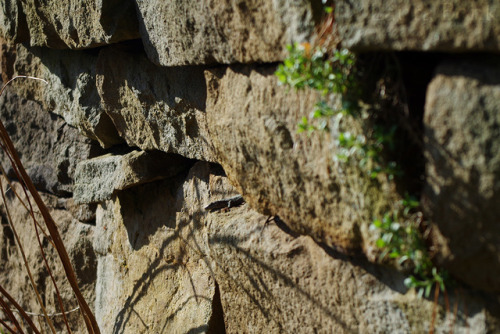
[{"x": 225, "y": 203}]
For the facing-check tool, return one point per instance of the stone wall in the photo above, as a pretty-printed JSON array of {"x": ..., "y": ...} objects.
[{"x": 155, "y": 109}]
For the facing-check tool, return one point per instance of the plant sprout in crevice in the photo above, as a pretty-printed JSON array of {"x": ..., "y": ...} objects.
[{"x": 337, "y": 76}]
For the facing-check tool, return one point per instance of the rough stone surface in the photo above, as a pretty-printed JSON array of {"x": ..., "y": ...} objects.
[
  {"x": 76, "y": 24},
  {"x": 153, "y": 272},
  {"x": 98, "y": 178},
  {"x": 253, "y": 123},
  {"x": 213, "y": 31},
  {"x": 462, "y": 128},
  {"x": 273, "y": 282},
  {"x": 48, "y": 147},
  {"x": 77, "y": 238},
  {"x": 12, "y": 22},
  {"x": 70, "y": 90},
  {"x": 153, "y": 107},
  {"x": 441, "y": 25}
]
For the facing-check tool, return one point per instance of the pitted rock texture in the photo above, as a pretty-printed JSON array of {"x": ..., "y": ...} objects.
[
  {"x": 214, "y": 31},
  {"x": 99, "y": 178},
  {"x": 440, "y": 25},
  {"x": 273, "y": 282},
  {"x": 154, "y": 274},
  {"x": 462, "y": 131},
  {"x": 70, "y": 90},
  {"x": 48, "y": 147},
  {"x": 77, "y": 238},
  {"x": 12, "y": 22},
  {"x": 153, "y": 107},
  {"x": 253, "y": 123},
  {"x": 74, "y": 24}
]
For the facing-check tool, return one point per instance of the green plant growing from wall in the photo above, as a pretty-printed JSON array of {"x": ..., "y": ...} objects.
[
  {"x": 336, "y": 74},
  {"x": 401, "y": 240}
]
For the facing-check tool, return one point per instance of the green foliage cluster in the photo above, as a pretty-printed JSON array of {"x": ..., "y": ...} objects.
[
  {"x": 401, "y": 240},
  {"x": 314, "y": 68},
  {"x": 336, "y": 73}
]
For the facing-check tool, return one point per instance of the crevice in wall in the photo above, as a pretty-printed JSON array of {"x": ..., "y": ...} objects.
[
  {"x": 416, "y": 70},
  {"x": 395, "y": 84},
  {"x": 216, "y": 324}
]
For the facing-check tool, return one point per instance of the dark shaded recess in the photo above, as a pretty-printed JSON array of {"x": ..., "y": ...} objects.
[
  {"x": 134, "y": 46},
  {"x": 417, "y": 70},
  {"x": 318, "y": 10},
  {"x": 216, "y": 325},
  {"x": 404, "y": 77},
  {"x": 23, "y": 32},
  {"x": 217, "y": 170}
]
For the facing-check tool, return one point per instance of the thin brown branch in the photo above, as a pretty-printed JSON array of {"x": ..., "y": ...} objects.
[
  {"x": 9, "y": 313},
  {"x": 11, "y": 187},
  {"x": 19, "y": 309},
  {"x": 23, "y": 255},
  {"x": 89, "y": 318},
  {"x": 4, "y": 324},
  {"x": 434, "y": 308}
]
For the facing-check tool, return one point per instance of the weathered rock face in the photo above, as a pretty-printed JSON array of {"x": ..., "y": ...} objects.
[
  {"x": 97, "y": 179},
  {"x": 74, "y": 24},
  {"x": 77, "y": 238},
  {"x": 12, "y": 22},
  {"x": 253, "y": 123},
  {"x": 440, "y": 25},
  {"x": 155, "y": 108},
  {"x": 273, "y": 282},
  {"x": 463, "y": 172},
  {"x": 153, "y": 272},
  {"x": 212, "y": 31},
  {"x": 70, "y": 90},
  {"x": 200, "y": 84},
  {"x": 48, "y": 147}
]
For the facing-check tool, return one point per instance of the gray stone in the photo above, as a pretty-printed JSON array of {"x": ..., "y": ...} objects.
[
  {"x": 98, "y": 178},
  {"x": 213, "y": 31},
  {"x": 253, "y": 126},
  {"x": 48, "y": 147},
  {"x": 462, "y": 131},
  {"x": 273, "y": 282},
  {"x": 153, "y": 272},
  {"x": 76, "y": 24},
  {"x": 12, "y": 22},
  {"x": 440, "y": 25},
  {"x": 70, "y": 90},
  {"x": 154, "y": 107}
]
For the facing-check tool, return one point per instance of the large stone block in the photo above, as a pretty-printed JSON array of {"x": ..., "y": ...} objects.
[
  {"x": 74, "y": 24},
  {"x": 462, "y": 196},
  {"x": 70, "y": 90},
  {"x": 153, "y": 272},
  {"x": 48, "y": 147},
  {"x": 273, "y": 282},
  {"x": 253, "y": 123},
  {"x": 154, "y": 107},
  {"x": 213, "y": 31},
  {"x": 439, "y": 25}
]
